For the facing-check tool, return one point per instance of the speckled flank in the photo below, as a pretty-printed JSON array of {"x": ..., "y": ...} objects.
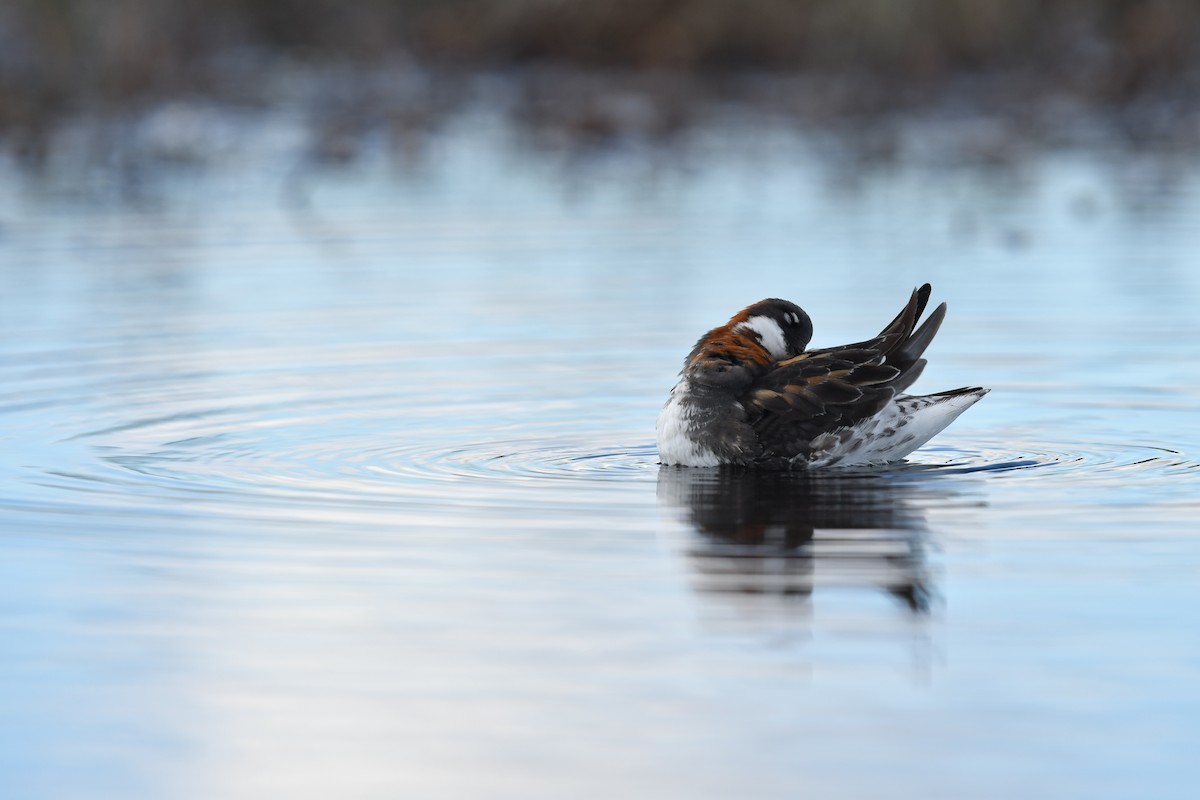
[{"x": 879, "y": 440}]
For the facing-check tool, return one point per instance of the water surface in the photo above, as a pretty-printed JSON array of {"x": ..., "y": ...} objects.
[{"x": 341, "y": 482}]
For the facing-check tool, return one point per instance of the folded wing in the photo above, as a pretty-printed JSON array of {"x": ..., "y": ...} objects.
[{"x": 823, "y": 390}]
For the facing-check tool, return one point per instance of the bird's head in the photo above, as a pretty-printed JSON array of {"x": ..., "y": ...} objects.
[{"x": 781, "y": 327}]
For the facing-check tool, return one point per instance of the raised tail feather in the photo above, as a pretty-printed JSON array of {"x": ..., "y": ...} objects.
[
  {"x": 899, "y": 329},
  {"x": 907, "y": 357}
]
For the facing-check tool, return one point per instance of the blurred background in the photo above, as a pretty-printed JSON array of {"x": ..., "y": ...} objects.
[
  {"x": 333, "y": 335},
  {"x": 597, "y": 70}
]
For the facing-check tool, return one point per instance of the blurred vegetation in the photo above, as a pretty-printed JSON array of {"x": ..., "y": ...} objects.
[{"x": 63, "y": 57}]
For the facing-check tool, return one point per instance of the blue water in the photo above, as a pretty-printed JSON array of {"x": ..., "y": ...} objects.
[{"x": 340, "y": 482}]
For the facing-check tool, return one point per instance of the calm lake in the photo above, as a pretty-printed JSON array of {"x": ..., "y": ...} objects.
[{"x": 340, "y": 481}]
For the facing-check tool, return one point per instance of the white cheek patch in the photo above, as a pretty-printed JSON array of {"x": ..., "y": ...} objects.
[{"x": 769, "y": 333}]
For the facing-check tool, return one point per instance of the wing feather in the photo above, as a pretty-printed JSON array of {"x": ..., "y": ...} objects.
[{"x": 822, "y": 390}]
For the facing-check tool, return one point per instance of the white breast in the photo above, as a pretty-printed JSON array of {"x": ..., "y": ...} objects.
[{"x": 675, "y": 430}]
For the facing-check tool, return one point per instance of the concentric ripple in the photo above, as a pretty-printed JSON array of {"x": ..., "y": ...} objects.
[
  {"x": 579, "y": 473},
  {"x": 529, "y": 460},
  {"x": 312, "y": 463},
  {"x": 364, "y": 466},
  {"x": 1085, "y": 461},
  {"x": 279, "y": 432}
]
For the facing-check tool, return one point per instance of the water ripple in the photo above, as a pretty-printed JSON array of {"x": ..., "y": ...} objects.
[
  {"x": 340, "y": 432},
  {"x": 353, "y": 470},
  {"x": 1084, "y": 461}
]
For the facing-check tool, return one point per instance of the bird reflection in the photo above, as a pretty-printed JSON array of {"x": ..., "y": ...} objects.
[{"x": 788, "y": 534}]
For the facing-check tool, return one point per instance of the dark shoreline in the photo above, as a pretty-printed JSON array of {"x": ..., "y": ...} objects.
[{"x": 585, "y": 75}]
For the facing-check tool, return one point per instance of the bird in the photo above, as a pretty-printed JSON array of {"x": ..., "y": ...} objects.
[{"x": 751, "y": 394}]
